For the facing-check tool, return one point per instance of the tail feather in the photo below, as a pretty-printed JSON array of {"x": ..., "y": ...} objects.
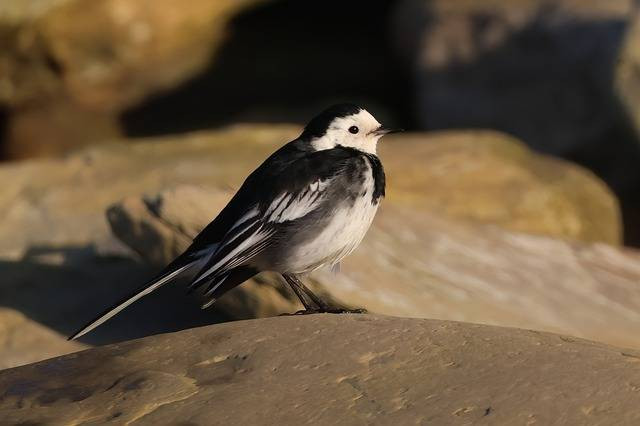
[
  {"x": 164, "y": 278},
  {"x": 221, "y": 285}
]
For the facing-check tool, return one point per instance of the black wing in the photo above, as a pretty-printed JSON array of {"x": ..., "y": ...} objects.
[{"x": 271, "y": 197}]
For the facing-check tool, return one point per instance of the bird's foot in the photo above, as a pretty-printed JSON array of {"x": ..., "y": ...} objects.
[
  {"x": 345, "y": 311},
  {"x": 328, "y": 310}
]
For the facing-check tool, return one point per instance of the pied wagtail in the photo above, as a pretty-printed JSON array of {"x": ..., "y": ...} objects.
[{"x": 308, "y": 205}]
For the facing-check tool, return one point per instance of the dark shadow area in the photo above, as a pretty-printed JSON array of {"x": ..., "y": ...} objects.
[
  {"x": 546, "y": 83},
  {"x": 616, "y": 160},
  {"x": 3, "y": 131},
  {"x": 64, "y": 297},
  {"x": 283, "y": 62}
]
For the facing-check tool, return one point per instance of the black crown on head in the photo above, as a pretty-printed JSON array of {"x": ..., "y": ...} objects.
[{"x": 320, "y": 123}]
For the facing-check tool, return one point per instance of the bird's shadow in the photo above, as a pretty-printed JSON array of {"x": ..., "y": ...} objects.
[{"x": 64, "y": 288}]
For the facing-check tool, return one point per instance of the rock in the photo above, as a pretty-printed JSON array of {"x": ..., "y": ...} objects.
[
  {"x": 626, "y": 81},
  {"x": 60, "y": 264},
  {"x": 416, "y": 264},
  {"x": 61, "y": 289},
  {"x": 538, "y": 69},
  {"x": 93, "y": 59},
  {"x": 419, "y": 265},
  {"x": 146, "y": 233},
  {"x": 623, "y": 172},
  {"x": 332, "y": 369},
  {"x": 489, "y": 177},
  {"x": 161, "y": 228},
  {"x": 62, "y": 202},
  {"x": 54, "y": 128},
  {"x": 479, "y": 176},
  {"x": 24, "y": 341},
  {"x": 557, "y": 74}
]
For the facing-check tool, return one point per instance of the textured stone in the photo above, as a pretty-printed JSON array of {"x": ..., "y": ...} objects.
[
  {"x": 490, "y": 177},
  {"x": 332, "y": 369},
  {"x": 417, "y": 264},
  {"x": 69, "y": 67},
  {"x": 61, "y": 265},
  {"x": 62, "y": 202},
  {"x": 23, "y": 340},
  {"x": 479, "y": 176},
  {"x": 106, "y": 54},
  {"x": 627, "y": 76},
  {"x": 538, "y": 69}
]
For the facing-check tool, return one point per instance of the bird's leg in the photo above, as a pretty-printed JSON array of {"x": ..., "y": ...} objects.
[
  {"x": 305, "y": 294},
  {"x": 307, "y": 302},
  {"x": 310, "y": 301}
]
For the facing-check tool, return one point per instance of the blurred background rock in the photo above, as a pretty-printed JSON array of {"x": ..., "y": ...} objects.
[
  {"x": 560, "y": 75},
  {"x": 161, "y": 87}
]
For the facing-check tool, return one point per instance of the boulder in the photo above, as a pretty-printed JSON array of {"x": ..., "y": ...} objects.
[
  {"x": 62, "y": 202},
  {"x": 415, "y": 263},
  {"x": 24, "y": 341},
  {"x": 68, "y": 68},
  {"x": 420, "y": 265},
  {"x": 626, "y": 81},
  {"x": 332, "y": 369},
  {"x": 538, "y": 69},
  {"x": 490, "y": 177},
  {"x": 61, "y": 264},
  {"x": 479, "y": 176},
  {"x": 52, "y": 292},
  {"x": 623, "y": 169}
]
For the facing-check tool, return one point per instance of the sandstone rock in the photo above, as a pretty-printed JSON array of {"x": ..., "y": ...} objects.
[
  {"x": 60, "y": 289},
  {"x": 24, "y": 341},
  {"x": 107, "y": 54},
  {"x": 62, "y": 202},
  {"x": 489, "y": 177},
  {"x": 419, "y": 265},
  {"x": 50, "y": 129},
  {"x": 56, "y": 208},
  {"x": 93, "y": 58},
  {"x": 479, "y": 176},
  {"x": 626, "y": 78},
  {"x": 623, "y": 170},
  {"x": 146, "y": 233},
  {"x": 61, "y": 265},
  {"x": 161, "y": 228},
  {"x": 416, "y": 264},
  {"x": 332, "y": 369},
  {"x": 538, "y": 69}
]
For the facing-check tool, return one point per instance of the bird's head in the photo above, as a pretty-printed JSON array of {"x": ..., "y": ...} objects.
[{"x": 345, "y": 125}]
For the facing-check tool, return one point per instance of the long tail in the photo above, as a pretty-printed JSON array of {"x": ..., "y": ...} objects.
[{"x": 171, "y": 272}]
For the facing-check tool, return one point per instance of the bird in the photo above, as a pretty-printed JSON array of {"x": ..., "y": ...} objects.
[{"x": 308, "y": 205}]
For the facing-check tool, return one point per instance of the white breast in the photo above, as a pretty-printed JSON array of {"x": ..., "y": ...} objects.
[{"x": 342, "y": 235}]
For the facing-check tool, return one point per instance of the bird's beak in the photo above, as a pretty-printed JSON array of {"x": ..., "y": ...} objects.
[{"x": 381, "y": 131}]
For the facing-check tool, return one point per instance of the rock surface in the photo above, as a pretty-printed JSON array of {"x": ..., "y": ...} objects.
[
  {"x": 60, "y": 264},
  {"x": 490, "y": 177},
  {"x": 626, "y": 82},
  {"x": 479, "y": 176},
  {"x": 91, "y": 59},
  {"x": 23, "y": 340},
  {"x": 416, "y": 264},
  {"x": 62, "y": 202},
  {"x": 332, "y": 369},
  {"x": 538, "y": 69}
]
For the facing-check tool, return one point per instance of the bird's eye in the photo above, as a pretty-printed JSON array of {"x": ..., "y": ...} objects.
[{"x": 354, "y": 129}]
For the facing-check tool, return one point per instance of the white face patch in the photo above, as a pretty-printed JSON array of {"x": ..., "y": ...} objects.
[{"x": 338, "y": 133}]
